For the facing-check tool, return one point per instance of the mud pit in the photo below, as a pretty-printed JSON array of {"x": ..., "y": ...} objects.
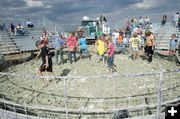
[{"x": 96, "y": 93}]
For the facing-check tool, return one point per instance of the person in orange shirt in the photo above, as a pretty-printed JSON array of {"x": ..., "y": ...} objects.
[{"x": 119, "y": 41}]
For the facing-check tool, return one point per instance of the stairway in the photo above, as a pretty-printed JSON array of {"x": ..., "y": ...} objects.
[
  {"x": 7, "y": 45},
  {"x": 164, "y": 37}
]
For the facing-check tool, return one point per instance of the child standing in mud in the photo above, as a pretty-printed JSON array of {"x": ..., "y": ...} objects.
[
  {"x": 111, "y": 53},
  {"x": 101, "y": 48},
  {"x": 46, "y": 60}
]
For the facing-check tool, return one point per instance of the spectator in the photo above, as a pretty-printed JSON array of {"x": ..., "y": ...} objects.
[
  {"x": 173, "y": 45},
  {"x": 164, "y": 19},
  {"x": 12, "y": 28},
  {"x": 124, "y": 44},
  {"x": 114, "y": 40},
  {"x": 141, "y": 22},
  {"x": 29, "y": 24},
  {"x": 115, "y": 35},
  {"x": 128, "y": 32},
  {"x": 20, "y": 29},
  {"x": 147, "y": 20},
  {"x": 175, "y": 19},
  {"x": 128, "y": 23},
  {"x": 120, "y": 41}
]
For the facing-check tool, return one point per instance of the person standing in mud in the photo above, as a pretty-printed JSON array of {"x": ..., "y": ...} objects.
[
  {"x": 150, "y": 44},
  {"x": 100, "y": 43},
  {"x": 71, "y": 44},
  {"x": 111, "y": 53},
  {"x": 135, "y": 43},
  {"x": 46, "y": 59}
]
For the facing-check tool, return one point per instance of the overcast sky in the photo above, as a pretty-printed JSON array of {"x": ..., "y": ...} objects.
[{"x": 71, "y": 11}]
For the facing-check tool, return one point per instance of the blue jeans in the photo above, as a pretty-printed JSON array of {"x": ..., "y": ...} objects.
[
  {"x": 71, "y": 55},
  {"x": 57, "y": 53},
  {"x": 110, "y": 61},
  {"x": 123, "y": 47}
]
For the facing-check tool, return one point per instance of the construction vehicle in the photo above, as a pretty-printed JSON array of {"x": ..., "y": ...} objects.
[{"x": 91, "y": 29}]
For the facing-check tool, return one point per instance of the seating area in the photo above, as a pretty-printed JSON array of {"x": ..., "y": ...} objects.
[
  {"x": 7, "y": 44},
  {"x": 11, "y": 43},
  {"x": 164, "y": 36}
]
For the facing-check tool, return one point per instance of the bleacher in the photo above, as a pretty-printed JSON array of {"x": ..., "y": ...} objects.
[
  {"x": 7, "y": 44},
  {"x": 10, "y": 43},
  {"x": 164, "y": 36}
]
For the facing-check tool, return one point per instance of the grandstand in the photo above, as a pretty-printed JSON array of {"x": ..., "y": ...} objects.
[{"x": 12, "y": 44}]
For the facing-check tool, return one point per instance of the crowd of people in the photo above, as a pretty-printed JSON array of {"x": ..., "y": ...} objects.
[
  {"x": 19, "y": 29},
  {"x": 106, "y": 45},
  {"x": 134, "y": 38}
]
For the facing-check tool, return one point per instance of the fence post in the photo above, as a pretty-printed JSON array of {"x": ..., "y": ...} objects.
[
  {"x": 66, "y": 98},
  {"x": 159, "y": 96}
]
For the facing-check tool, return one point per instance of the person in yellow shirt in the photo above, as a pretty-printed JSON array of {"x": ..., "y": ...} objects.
[
  {"x": 135, "y": 42},
  {"x": 101, "y": 48}
]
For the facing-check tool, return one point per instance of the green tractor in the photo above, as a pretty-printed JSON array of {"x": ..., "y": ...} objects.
[{"x": 91, "y": 29}]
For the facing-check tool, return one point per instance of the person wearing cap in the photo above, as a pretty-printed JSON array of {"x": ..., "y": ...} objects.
[{"x": 46, "y": 59}]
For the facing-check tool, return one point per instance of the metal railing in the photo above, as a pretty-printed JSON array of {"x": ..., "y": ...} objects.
[{"x": 94, "y": 96}]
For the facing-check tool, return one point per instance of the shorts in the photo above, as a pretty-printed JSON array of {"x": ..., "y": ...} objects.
[
  {"x": 42, "y": 68},
  {"x": 135, "y": 49},
  {"x": 83, "y": 51}
]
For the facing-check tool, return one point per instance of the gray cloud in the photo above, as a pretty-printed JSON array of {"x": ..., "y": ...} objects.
[{"x": 71, "y": 11}]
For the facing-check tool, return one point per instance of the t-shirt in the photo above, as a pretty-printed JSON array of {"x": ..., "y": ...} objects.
[
  {"x": 58, "y": 42},
  {"x": 134, "y": 42},
  {"x": 176, "y": 17},
  {"x": 82, "y": 42},
  {"x": 101, "y": 47},
  {"x": 71, "y": 41},
  {"x": 150, "y": 40},
  {"x": 120, "y": 38},
  {"x": 173, "y": 44},
  {"x": 44, "y": 53},
  {"x": 125, "y": 41},
  {"x": 116, "y": 34},
  {"x": 111, "y": 49}
]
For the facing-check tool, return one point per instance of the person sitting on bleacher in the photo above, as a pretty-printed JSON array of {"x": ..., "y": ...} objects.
[
  {"x": 12, "y": 28},
  {"x": 20, "y": 29},
  {"x": 29, "y": 24}
]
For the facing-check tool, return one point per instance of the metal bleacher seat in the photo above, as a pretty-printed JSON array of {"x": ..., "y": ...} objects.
[
  {"x": 7, "y": 45},
  {"x": 164, "y": 36}
]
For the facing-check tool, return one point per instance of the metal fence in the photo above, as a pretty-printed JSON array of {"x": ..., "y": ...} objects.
[{"x": 101, "y": 97}]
